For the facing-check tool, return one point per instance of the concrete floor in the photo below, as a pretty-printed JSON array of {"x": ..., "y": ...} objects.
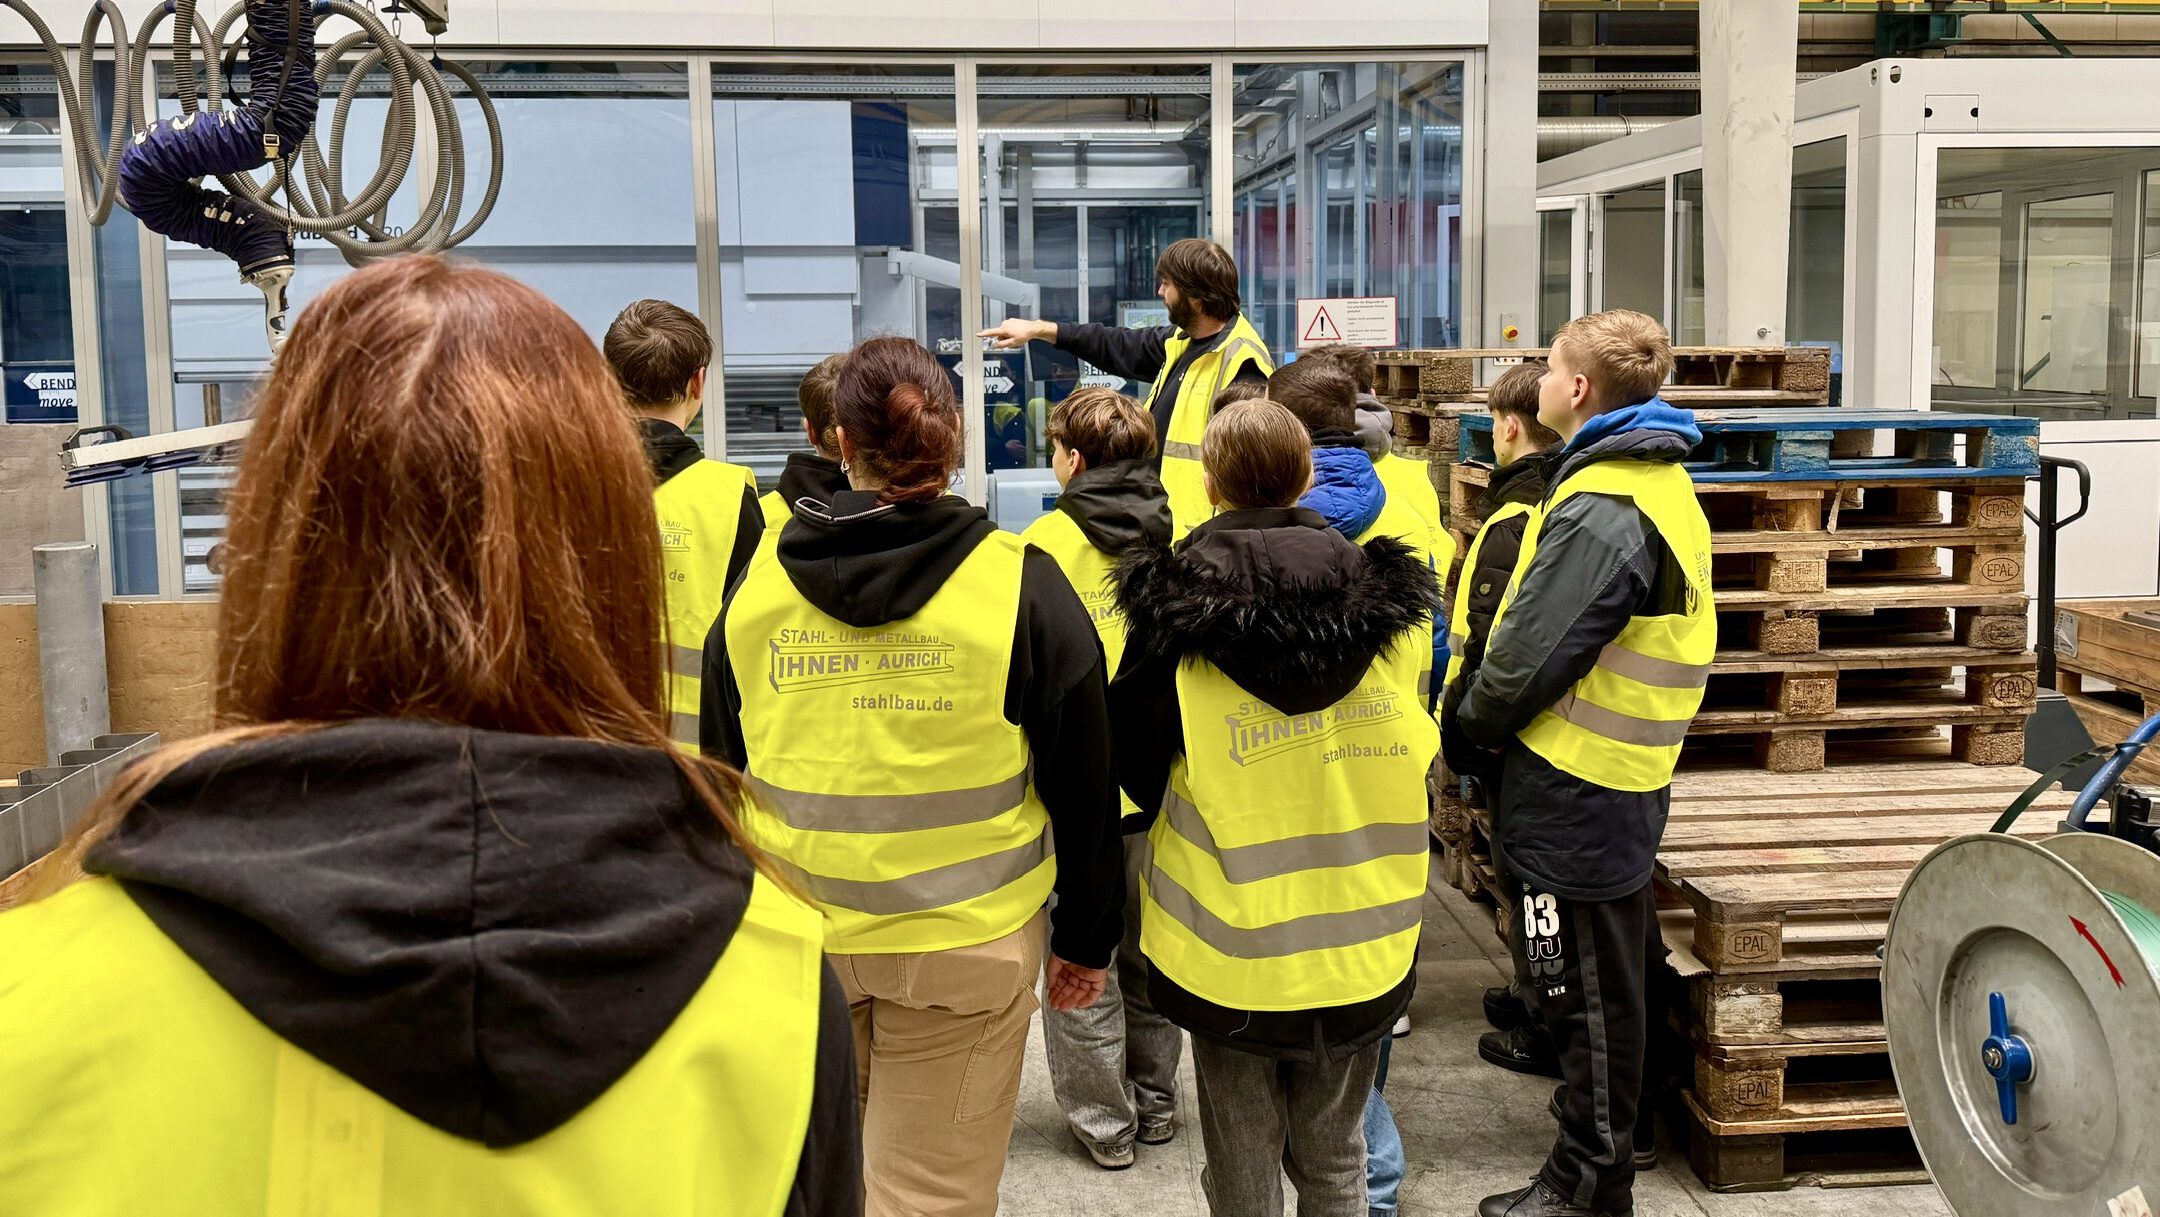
[{"x": 1469, "y": 1129}]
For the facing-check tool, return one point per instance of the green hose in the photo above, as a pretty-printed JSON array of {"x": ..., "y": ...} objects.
[{"x": 2143, "y": 924}]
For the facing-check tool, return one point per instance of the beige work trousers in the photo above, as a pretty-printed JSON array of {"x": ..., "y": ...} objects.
[{"x": 939, "y": 1037}]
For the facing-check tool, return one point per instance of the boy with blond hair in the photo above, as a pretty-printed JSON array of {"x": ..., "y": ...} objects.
[
  {"x": 1593, "y": 670},
  {"x": 1113, "y": 1064}
]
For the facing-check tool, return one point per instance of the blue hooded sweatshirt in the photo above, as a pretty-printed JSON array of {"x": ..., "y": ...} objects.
[
  {"x": 1345, "y": 490},
  {"x": 1654, "y": 415}
]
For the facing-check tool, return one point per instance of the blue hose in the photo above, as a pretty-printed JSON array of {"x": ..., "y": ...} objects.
[{"x": 2111, "y": 771}]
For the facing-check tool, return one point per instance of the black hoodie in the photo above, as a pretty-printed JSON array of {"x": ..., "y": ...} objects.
[
  {"x": 670, "y": 451},
  {"x": 1119, "y": 506},
  {"x": 484, "y": 929},
  {"x": 808, "y": 475},
  {"x": 868, "y": 564},
  {"x": 1281, "y": 604}
]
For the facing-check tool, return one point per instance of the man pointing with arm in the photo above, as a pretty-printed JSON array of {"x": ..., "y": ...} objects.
[{"x": 1208, "y": 345}]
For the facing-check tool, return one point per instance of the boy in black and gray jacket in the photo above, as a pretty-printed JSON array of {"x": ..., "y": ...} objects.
[{"x": 1587, "y": 685}]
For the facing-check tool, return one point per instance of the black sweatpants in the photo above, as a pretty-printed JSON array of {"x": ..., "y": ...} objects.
[{"x": 1587, "y": 965}]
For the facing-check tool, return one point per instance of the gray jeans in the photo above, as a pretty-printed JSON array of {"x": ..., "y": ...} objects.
[
  {"x": 1113, "y": 1066},
  {"x": 1261, "y": 1117}
]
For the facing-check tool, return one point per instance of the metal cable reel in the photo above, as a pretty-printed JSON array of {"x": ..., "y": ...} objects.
[{"x": 2021, "y": 994}]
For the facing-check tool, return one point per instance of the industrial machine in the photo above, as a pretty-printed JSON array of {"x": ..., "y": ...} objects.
[
  {"x": 139, "y": 158},
  {"x": 2021, "y": 991}
]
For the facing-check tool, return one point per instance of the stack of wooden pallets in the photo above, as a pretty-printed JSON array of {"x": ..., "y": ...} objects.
[
  {"x": 2107, "y": 660},
  {"x": 1430, "y": 392},
  {"x": 1867, "y": 703}
]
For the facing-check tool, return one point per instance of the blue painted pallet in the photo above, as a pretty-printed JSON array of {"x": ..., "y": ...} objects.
[{"x": 1823, "y": 445}]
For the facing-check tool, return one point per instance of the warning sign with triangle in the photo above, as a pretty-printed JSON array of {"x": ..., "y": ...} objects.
[{"x": 1322, "y": 328}]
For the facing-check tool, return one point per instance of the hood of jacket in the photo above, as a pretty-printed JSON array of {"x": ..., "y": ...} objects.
[
  {"x": 668, "y": 448},
  {"x": 810, "y": 475},
  {"x": 1278, "y": 601},
  {"x": 1375, "y": 426},
  {"x": 1648, "y": 431},
  {"x": 1346, "y": 489},
  {"x": 869, "y": 563},
  {"x": 1521, "y": 481},
  {"x": 485, "y": 929},
  {"x": 1120, "y": 506}
]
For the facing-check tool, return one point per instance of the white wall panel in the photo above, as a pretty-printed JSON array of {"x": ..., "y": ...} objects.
[
  {"x": 2115, "y": 549},
  {"x": 625, "y": 23},
  {"x": 1304, "y": 23},
  {"x": 589, "y": 171},
  {"x": 883, "y": 24},
  {"x": 795, "y": 161},
  {"x": 1139, "y": 24}
]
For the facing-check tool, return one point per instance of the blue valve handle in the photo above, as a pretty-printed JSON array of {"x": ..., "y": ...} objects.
[{"x": 2007, "y": 1058}]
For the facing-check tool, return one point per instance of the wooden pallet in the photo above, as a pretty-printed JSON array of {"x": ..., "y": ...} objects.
[
  {"x": 1825, "y": 445},
  {"x": 1781, "y": 375},
  {"x": 1847, "y": 1135},
  {"x": 2117, "y": 641},
  {"x": 1737, "y": 1083},
  {"x": 1823, "y": 855},
  {"x": 2109, "y": 717}
]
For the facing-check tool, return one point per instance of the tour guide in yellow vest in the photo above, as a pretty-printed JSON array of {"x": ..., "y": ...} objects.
[
  {"x": 1207, "y": 345},
  {"x": 907, "y": 689},
  {"x": 1268, "y": 708},
  {"x": 374, "y": 993}
]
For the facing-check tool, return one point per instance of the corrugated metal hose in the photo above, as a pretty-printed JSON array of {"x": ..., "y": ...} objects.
[{"x": 319, "y": 204}]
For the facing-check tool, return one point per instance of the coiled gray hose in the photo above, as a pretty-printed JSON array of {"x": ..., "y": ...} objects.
[{"x": 319, "y": 205}]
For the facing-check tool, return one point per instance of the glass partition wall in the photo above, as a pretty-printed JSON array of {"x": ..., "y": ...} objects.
[
  {"x": 2045, "y": 297},
  {"x": 1349, "y": 181},
  {"x": 829, "y": 213}
]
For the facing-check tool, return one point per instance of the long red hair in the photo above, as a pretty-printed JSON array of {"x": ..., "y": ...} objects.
[{"x": 443, "y": 512}]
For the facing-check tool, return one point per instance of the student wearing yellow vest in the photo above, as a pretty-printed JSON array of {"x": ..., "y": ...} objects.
[
  {"x": 1408, "y": 482},
  {"x": 1207, "y": 345},
  {"x": 1593, "y": 671},
  {"x": 1270, "y": 723},
  {"x": 437, "y": 921},
  {"x": 1524, "y": 452},
  {"x": 1113, "y": 1065},
  {"x": 709, "y": 514},
  {"x": 815, "y": 474},
  {"x": 1347, "y": 490},
  {"x": 917, "y": 701}
]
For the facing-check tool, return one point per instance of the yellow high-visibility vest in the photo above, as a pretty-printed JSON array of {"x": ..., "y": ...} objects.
[
  {"x": 138, "y": 1087},
  {"x": 883, "y": 771},
  {"x": 1287, "y": 869},
  {"x": 1181, "y": 473},
  {"x": 776, "y": 510},
  {"x": 1088, "y": 570},
  {"x": 1459, "y": 615},
  {"x": 1410, "y": 483},
  {"x": 1622, "y": 725},
  {"x": 700, "y": 511}
]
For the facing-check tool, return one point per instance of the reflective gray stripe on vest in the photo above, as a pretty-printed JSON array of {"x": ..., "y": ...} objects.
[
  {"x": 1621, "y": 728},
  {"x": 1181, "y": 452},
  {"x": 1266, "y": 860},
  {"x": 923, "y": 891},
  {"x": 683, "y": 728},
  {"x": 1424, "y": 683},
  {"x": 1650, "y": 670},
  {"x": 1456, "y": 643},
  {"x": 1312, "y": 932},
  {"x": 806, "y": 812},
  {"x": 1227, "y": 368},
  {"x": 686, "y": 662}
]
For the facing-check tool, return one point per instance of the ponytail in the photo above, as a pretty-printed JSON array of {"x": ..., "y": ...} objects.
[{"x": 896, "y": 403}]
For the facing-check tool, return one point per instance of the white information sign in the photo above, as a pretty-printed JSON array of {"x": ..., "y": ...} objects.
[{"x": 1366, "y": 321}]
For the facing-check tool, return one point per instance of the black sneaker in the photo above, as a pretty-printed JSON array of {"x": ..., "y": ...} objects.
[
  {"x": 1539, "y": 1200},
  {"x": 1504, "y": 1010},
  {"x": 1523, "y": 1050}
]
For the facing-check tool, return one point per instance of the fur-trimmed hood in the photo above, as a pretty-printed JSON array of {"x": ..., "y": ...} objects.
[{"x": 1278, "y": 601}]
